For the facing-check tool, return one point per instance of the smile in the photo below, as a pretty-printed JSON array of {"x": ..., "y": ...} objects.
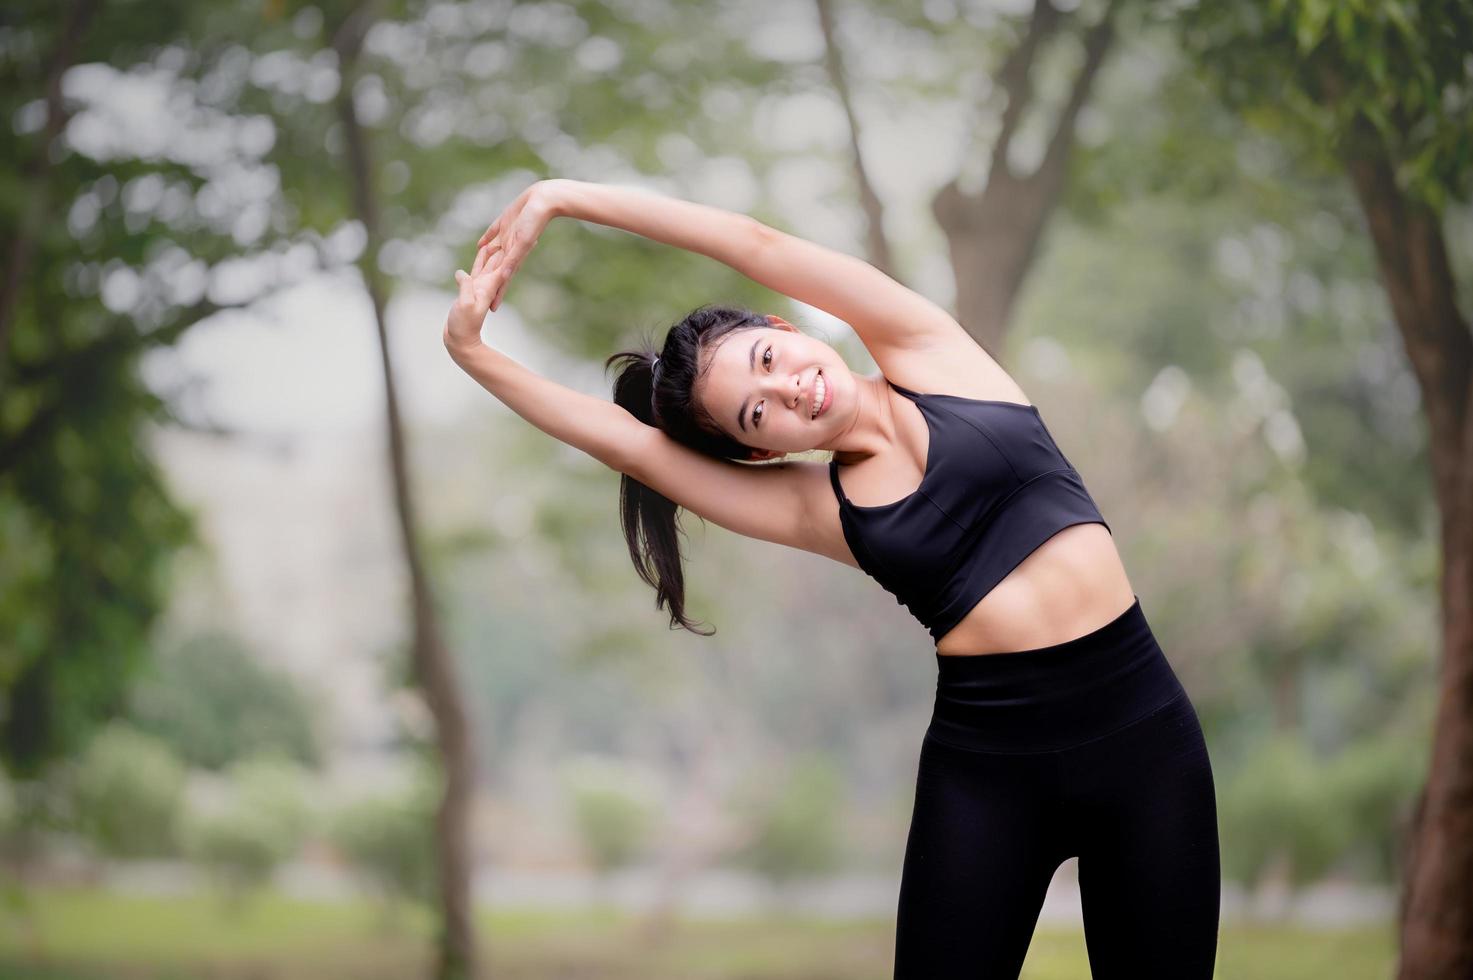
[{"x": 820, "y": 395}]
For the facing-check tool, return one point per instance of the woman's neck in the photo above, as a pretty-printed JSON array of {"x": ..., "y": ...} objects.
[{"x": 873, "y": 429}]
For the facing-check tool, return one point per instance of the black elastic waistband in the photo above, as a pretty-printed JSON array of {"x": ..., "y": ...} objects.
[{"x": 1056, "y": 696}]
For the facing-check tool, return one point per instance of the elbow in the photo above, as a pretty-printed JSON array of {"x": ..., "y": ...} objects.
[
  {"x": 630, "y": 449},
  {"x": 760, "y": 235}
]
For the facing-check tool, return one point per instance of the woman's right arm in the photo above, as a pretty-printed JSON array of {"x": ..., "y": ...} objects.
[
  {"x": 601, "y": 428},
  {"x": 774, "y": 502}
]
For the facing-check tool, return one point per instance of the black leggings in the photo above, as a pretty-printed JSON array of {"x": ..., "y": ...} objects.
[{"x": 1087, "y": 748}]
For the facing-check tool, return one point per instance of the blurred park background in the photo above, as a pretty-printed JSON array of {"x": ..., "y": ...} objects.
[{"x": 316, "y": 660}]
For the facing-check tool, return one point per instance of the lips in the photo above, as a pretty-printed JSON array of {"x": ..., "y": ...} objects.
[{"x": 813, "y": 393}]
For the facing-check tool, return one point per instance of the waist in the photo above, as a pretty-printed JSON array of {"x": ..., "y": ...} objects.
[
  {"x": 1054, "y": 697},
  {"x": 1073, "y": 580}
]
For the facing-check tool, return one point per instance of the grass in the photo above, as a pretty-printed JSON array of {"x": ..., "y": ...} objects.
[{"x": 89, "y": 934}]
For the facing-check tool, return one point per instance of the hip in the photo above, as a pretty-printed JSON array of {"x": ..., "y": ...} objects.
[{"x": 1054, "y": 697}]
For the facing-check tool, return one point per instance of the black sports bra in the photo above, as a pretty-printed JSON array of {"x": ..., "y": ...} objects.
[{"x": 996, "y": 487}]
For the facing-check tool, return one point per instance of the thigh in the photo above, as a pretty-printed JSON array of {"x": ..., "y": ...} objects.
[
  {"x": 1149, "y": 865},
  {"x": 978, "y": 860}
]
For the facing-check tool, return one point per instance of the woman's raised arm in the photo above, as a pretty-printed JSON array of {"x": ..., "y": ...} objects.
[
  {"x": 601, "y": 428},
  {"x": 886, "y": 315}
]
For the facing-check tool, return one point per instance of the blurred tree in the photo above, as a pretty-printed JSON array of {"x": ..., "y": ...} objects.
[
  {"x": 993, "y": 233},
  {"x": 25, "y": 217},
  {"x": 612, "y": 811},
  {"x": 794, "y": 823},
  {"x": 389, "y": 840},
  {"x": 214, "y": 703},
  {"x": 1384, "y": 90},
  {"x": 378, "y": 138},
  {"x": 116, "y": 239},
  {"x": 127, "y": 793},
  {"x": 258, "y": 821}
]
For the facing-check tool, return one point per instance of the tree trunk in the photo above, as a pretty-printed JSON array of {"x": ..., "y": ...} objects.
[
  {"x": 434, "y": 669},
  {"x": 1437, "y": 889},
  {"x": 993, "y": 236}
]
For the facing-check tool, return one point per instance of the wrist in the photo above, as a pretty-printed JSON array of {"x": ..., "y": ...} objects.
[
  {"x": 559, "y": 194},
  {"x": 462, "y": 350}
]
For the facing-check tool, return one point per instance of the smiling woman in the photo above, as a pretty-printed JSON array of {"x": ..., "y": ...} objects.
[
  {"x": 1060, "y": 728},
  {"x": 728, "y": 385}
]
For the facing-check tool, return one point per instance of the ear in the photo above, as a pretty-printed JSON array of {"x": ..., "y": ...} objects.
[
  {"x": 761, "y": 455},
  {"x": 774, "y": 320}
]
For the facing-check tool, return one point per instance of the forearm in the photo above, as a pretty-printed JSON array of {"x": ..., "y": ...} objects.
[
  {"x": 726, "y": 236},
  {"x": 597, "y": 426},
  {"x": 885, "y": 314}
]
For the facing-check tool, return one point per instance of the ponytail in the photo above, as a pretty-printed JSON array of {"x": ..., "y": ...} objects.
[
  {"x": 650, "y": 519},
  {"x": 663, "y": 395}
]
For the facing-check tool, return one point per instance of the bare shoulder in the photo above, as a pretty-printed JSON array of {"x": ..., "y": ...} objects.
[
  {"x": 947, "y": 360},
  {"x": 789, "y": 502}
]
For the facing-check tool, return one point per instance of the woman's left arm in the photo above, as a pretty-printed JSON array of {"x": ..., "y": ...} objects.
[
  {"x": 721, "y": 235},
  {"x": 886, "y": 315}
]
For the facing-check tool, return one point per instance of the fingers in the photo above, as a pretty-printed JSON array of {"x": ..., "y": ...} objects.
[
  {"x": 508, "y": 216},
  {"x": 488, "y": 280},
  {"x": 491, "y": 233},
  {"x": 481, "y": 255},
  {"x": 500, "y": 270},
  {"x": 498, "y": 255}
]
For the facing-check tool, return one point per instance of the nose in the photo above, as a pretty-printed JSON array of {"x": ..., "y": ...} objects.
[{"x": 786, "y": 390}]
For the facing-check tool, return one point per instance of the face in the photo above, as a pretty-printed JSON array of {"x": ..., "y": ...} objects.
[{"x": 762, "y": 388}]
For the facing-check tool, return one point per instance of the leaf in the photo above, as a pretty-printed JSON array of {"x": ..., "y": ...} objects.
[{"x": 1309, "y": 28}]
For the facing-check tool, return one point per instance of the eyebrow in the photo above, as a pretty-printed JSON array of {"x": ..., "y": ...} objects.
[{"x": 752, "y": 365}]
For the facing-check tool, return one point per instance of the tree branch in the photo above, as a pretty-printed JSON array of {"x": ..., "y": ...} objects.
[
  {"x": 878, "y": 246},
  {"x": 1096, "y": 44},
  {"x": 1014, "y": 77}
]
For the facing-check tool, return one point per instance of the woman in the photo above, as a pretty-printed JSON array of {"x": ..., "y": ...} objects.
[{"x": 1059, "y": 728}]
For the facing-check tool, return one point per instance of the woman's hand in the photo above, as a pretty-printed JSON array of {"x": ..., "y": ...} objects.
[
  {"x": 512, "y": 235},
  {"x": 463, "y": 325}
]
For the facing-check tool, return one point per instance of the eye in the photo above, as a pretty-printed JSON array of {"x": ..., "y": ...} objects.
[{"x": 766, "y": 362}]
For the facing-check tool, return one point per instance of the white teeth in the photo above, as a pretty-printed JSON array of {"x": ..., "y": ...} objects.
[{"x": 820, "y": 391}]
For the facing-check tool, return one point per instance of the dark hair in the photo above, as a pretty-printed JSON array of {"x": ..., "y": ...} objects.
[{"x": 663, "y": 395}]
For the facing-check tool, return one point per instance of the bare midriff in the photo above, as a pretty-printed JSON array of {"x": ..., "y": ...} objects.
[{"x": 1070, "y": 585}]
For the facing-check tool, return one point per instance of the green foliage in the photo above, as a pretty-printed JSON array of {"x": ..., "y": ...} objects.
[
  {"x": 126, "y": 794},
  {"x": 258, "y": 821},
  {"x": 1375, "y": 782},
  {"x": 1399, "y": 65},
  {"x": 86, "y": 533},
  {"x": 87, "y": 526},
  {"x": 9, "y": 810},
  {"x": 612, "y": 811},
  {"x": 215, "y": 703},
  {"x": 1276, "y": 801},
  {"x": 1319, "y": 813},
  {"x": 795, "y": 825},
  {"x": 389, "y": 840}
]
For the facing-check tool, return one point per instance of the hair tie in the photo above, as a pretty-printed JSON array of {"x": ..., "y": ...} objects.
[{"x": 654, "y": 383}]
